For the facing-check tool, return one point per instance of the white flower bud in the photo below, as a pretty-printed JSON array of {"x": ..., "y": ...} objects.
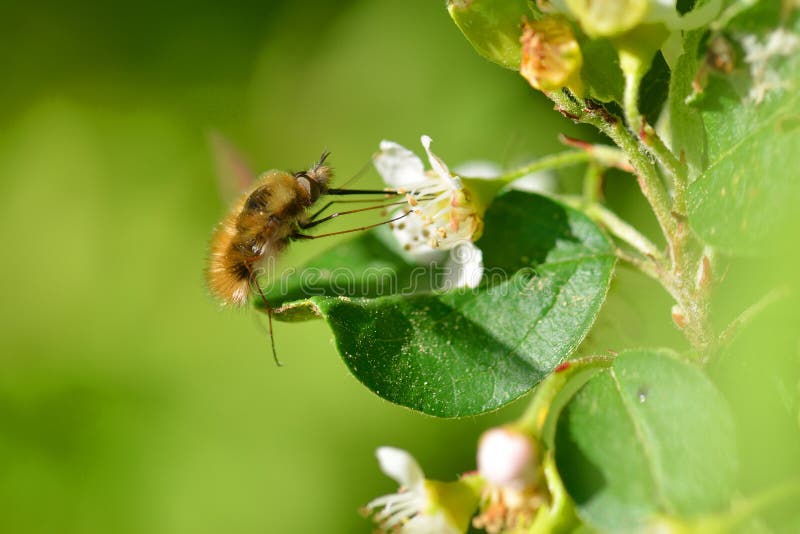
[{"x": 508, "y": 458}]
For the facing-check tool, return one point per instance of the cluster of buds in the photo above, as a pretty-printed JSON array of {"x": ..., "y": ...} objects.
[{"x": 548, "y": 34}]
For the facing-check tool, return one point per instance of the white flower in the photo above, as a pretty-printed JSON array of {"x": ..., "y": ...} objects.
[
  {"x": 443, "y": 213},
  {"x": 437, "y": 197},
  {"x": 759, "y": 56},
  {"x": 420, "y": 506}
]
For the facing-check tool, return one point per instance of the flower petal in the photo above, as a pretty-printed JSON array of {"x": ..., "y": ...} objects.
[
  {"x": 537, "y": 182},
  {"x": 439, "y": 166},
  {"x": 464, "y": 267},
  {"x": 398, "y": 166},
  {"x": 402, "y": 467},
  {"x": 479, "y": 168}
]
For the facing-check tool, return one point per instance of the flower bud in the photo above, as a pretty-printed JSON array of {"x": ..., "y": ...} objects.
[
  {"x": 608, "y": 18},
  {"x": 508, "y": 458},
  {"x": 551, "y": 57},
  {"x": 492, "y": 27}
]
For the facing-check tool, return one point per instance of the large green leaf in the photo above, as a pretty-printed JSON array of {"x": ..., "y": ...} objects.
[
  {"x": 648, "y": 437},
  {"x": 461, "y": 352},
  {"x": 750, "y": 185}
]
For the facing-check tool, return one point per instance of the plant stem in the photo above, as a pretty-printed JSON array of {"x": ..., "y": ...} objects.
[
  {"x": 647, "y": 175},
  {"x": 747, "y": 316},
  {"x": 592, "y": 184},
  {"x": 749, "y": 507},
  {"x": 553, "y": 161},
  {"x": 684, "y": 273},
  {"x": 674, "y": 167},
  {"x": 640, "y": 263},
  {"x": 634, "y": 68},
  {"x": 630, "y": 101},
  {"x": 623, "y": 230}
]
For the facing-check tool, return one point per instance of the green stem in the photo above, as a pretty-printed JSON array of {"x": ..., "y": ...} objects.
[
  {"x": 647, "y": 175},
  {"x": 645, "y": 265},
  {"x": 679, "y": 278},
  {"x": 747, "y": 316},
  {"x": 592, "y": 184},
  {"x": 749, "y": 507},
  {"x": 647, "y": 258},
  {"x": 553, "y": 161},
  {"x": 623, "y": 231},
  {"x": 630, "y": 100},
  {"x": 634, "y": 68},
  {"x": 674, "y": 167}
]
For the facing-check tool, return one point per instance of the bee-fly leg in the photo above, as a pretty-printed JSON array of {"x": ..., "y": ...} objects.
[
  {"x": 298, "y": 235},
  {"x": 255, "y": 284},
  {"x": 311, "y": 222},
  {"x": 339, "y": 191}
]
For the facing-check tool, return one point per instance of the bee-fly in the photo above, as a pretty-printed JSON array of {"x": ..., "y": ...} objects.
[{"x": 263, "y": 221}]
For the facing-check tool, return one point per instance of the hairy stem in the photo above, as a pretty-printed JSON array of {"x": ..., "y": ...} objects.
[
  {"x": 684, "y": 273},
  {"x": 647, "y": 175},
  {"x": 623, "y": 231}
]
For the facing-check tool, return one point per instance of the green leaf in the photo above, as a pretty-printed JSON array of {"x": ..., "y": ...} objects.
[
  {"x": 686, "y": 123},
  {"x": 750, "y": 187},
  {"x": 654, "y": 89},
  {"x": 493, "y": 27},
  {"x": 649, "y": 437},
  {"x": 600, "y": 72},
  {"x": 463, "y": 352}
]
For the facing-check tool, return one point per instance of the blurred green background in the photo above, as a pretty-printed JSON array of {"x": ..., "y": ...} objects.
[{"x": 129, "y": 402}]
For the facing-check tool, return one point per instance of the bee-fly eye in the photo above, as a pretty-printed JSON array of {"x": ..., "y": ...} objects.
[{"x": 311, "y": 186}]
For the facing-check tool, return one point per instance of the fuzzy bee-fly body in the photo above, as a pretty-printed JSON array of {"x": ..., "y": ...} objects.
[
  {"x": 264, "y": 220},
  {"x": 259, "y": 226}
]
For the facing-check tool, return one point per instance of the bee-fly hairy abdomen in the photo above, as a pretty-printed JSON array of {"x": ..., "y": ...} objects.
[{"x": 259, "y": 225}]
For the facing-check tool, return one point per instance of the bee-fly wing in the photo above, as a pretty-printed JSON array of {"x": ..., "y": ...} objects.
[{"x": 234, "y": 175}]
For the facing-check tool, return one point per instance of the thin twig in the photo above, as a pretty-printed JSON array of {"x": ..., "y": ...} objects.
[
  {"x": 623, "y": 230},
  {"x": 747, "y": 316},
  {"x": 640, "y": 262},
  {"x": 554, "y": 161}
]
